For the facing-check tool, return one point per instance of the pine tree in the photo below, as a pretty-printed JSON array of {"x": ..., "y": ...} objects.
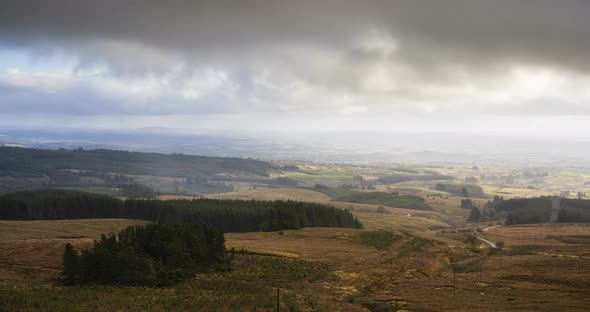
[
  {"x": 71, "y": 263},
  {"x": 474, "y": 215}
]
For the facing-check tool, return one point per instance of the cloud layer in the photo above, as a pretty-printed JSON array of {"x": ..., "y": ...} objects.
[{"x": 280, "y": 58}]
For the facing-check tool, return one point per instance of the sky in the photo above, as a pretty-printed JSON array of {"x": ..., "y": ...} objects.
[{"x": 281, "y": 67}]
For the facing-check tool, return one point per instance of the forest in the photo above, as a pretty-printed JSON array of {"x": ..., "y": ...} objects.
[
  {"x": 530, "y": 210},
  {"x": 574, "y": 210},
  {"x": 225, "y": 215},
  {"x": 525, "y": 210},
  {"x": 154, "y": 254}
]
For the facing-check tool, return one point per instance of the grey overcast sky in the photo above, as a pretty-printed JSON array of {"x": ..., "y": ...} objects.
[{"x": 283, "y": 66}]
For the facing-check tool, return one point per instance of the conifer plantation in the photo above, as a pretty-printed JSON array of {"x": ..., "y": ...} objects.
[
  {"x": 188, "y": 237},
  {"x": 225, "y": 215},
  {"x": 155, "y": 254}
]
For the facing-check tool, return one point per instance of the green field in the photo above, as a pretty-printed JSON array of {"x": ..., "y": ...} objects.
[
  {"x": 375, "y": 198},
  {"x": 465, "y": 190}
]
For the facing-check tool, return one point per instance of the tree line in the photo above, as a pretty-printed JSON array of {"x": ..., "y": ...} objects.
[
  {"x": 486, "y": 213},
  {"x": 529, "y": 210},
  {"x": 225, "y": 215},
  {"x": 574, "y": 210},
  {"x": 463, "y": 190}
]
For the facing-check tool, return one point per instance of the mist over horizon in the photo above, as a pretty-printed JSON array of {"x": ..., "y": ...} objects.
[{"x": 358, "y": 147}]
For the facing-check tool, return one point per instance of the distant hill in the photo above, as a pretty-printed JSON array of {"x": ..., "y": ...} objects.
[
  {"x": 399, "y": 178},
  {"x": 22, "y": 168},
  {"x": 22, "y": 162}
]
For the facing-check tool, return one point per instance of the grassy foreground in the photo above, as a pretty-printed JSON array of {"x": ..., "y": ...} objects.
[{"x": 246, "y": 285}]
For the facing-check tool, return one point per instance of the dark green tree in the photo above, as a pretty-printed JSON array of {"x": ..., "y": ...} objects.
[
  {"x": 466, "y": 203},
  {"x": 472, "y": 240},
  {"x": 474, "y": 215},
  {"x": 155, "y": 254},
  {"x": 71, "y": 263}
]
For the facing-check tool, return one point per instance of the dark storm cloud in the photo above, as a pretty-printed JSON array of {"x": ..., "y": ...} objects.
[
  {"x": 339, "y": 57},
  {"x": 437, "y": 32}
]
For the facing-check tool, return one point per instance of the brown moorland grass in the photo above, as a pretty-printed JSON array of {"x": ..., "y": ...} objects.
[
  {"x": 394, "y": 219},
  {"x": 554, "y": 239},
  {"x": 31, "y": 251},
  {"x": 416, "y": 272},
  {"x": 424, "y": 279},
  {"x": 318, "y": 244}
]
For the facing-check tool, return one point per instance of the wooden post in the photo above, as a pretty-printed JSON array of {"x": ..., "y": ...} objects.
[
  {"x": 278, "y": 298},
  {"x": 454, "y": 283},
  {"x": 480, "y": 269}
]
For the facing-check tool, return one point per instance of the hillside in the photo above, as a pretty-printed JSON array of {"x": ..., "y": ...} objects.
[
  {"x": 25, "y": 162},
  {"x": 100, "y": 170},
  {"x": 318, "y": 269}
]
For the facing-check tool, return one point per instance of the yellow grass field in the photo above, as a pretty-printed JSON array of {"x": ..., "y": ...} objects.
[{"x": 31, "y": 251}]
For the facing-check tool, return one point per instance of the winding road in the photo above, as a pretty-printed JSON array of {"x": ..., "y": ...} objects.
[{"x": 491, "y": 244}]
